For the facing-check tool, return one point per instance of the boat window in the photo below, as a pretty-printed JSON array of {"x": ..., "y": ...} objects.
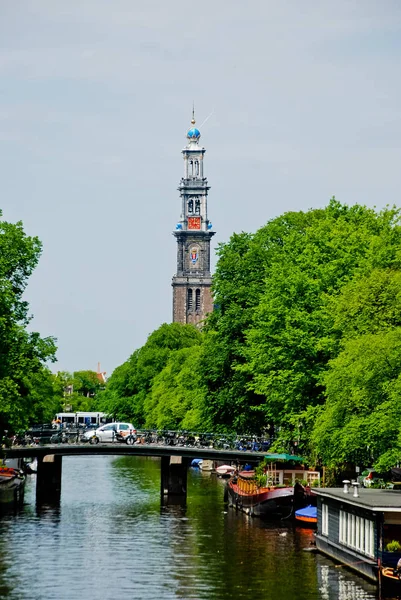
[
  {"x": 357, "y": 533},
  {"x": 325, "y": 519}
]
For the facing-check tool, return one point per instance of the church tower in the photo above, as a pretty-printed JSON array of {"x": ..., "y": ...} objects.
[{"x": 192, "y": 298}]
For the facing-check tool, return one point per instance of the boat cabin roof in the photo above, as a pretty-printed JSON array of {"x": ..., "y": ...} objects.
[
  {"x": 285, "y": 457},
  {"x": 370, "y": 499},
  {"x": 247, "y": 474}
]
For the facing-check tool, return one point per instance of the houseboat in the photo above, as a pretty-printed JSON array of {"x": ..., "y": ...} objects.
[
  {"x": 12, "y": 483},
  {"x": 279, "y": 490},
  {"x": 359, "y": 527}
]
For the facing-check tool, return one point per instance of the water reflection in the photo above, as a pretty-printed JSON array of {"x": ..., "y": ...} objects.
[
  {"x": 337, "y": 584},
  {"x": 110, "y": 533}
]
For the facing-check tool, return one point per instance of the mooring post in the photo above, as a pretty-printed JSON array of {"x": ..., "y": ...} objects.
[
  {"x": 48, "y": 478},
  {"x": 174, "y": 479}
]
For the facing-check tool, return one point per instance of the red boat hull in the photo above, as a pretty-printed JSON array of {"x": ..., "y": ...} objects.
[{"x": 265, "y": 502}]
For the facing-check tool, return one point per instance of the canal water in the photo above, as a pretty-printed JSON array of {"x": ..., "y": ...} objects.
[{"x": 109, "y": 539}]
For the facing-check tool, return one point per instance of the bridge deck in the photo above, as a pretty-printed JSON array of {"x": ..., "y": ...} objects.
[{"x": 137, "y": 450}]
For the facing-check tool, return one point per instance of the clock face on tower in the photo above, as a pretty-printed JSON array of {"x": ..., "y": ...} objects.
[{"x": 194, "y": 222}]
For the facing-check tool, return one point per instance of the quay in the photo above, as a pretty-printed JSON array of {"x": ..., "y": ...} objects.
[{"x": 355, "y": 526}]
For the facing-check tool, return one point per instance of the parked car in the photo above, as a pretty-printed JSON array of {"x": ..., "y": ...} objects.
[{"x": 112, "y": 432}]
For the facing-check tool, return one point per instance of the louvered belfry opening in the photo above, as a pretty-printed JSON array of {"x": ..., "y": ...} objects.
[{"x": 189, "y": 300}]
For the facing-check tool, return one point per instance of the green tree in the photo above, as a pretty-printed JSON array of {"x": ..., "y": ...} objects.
[
  {"x": 177, "y": 398},
  {"x": 131, "y": 383},
  {"x": 271, "y": 338},
  {"x": 293, "y": 334},
  {"x": 237, "y": 286},
  {"x": 23, "y": 354},
  {"x": 360, "y": 420},
  {"x": 80, "y": 390}
]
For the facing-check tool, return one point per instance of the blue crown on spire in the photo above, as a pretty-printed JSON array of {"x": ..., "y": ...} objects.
[{"x": 193, "y": 134}]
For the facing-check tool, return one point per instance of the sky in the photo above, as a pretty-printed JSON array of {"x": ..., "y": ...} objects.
[{"x": 302, "y": 101}]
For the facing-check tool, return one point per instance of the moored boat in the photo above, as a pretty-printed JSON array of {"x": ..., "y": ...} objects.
[
  {"x": 391, "y": 569},
  {"x": 269, "y": 489},
  {"x": 244, "y": 493},
  {"x": 225, "y": 470},
  {"x": 206, "y": 465},
  {"x": 12, "y": 485},
  {"x": 391, "y": 575},
  {"x": 307, "y": 517}
]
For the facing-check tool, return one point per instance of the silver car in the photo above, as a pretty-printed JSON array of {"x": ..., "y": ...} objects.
[{"x": 112, "y": 432}]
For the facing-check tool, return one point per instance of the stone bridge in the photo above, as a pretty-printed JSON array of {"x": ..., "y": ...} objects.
[{"x": 174, "y": 463}]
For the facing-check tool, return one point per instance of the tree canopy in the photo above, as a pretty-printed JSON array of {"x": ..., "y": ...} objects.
[
  {"x": 27, "y": 388},
  {"x": 80, "y": 390},
  {"x": 128, "y": 391},
  {"x": 303, "y": 342}
]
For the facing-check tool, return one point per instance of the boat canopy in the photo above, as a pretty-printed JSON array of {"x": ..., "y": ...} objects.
[
  {"x": 308, "y": 512},
  {"x": 285, "y": 457}
]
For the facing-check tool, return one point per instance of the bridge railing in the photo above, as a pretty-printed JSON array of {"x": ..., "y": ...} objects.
[{"x": 167, "y": 437}]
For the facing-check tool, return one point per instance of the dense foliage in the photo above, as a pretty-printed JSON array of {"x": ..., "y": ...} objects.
[
  {"x": 79, "y": 389},
  {"x": 27, "y": 388},
  {"x": 360, "y": 421},
  {"x": 134, "y": 390},
  {"x": 304, "y": 343}
]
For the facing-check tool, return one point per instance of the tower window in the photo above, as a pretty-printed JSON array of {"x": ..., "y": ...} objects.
[
  {"x": 197, "y": 300},
  {"x": 197, "y": 206},
  {"x": 189, "y": 300},
  {"x": 193, "y": 170},
  {"x": 190, "y": 206}
]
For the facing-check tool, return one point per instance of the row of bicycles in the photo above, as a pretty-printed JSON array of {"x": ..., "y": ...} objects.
[
  {"x": 188, "y": 439},
  {"x": 50, "y": 436}
]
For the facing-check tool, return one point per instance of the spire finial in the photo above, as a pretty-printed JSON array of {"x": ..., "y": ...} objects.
[{"x": 193, "y": 114}]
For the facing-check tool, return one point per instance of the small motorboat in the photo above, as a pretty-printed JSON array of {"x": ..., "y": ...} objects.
[
  {"x": 307, "y": 516},
  {"x": 391, "y": 569},
  {"x": 12, "y": 485},
  {"x": 225, "y": 470},
  {"x": 206, "y": 465},
  {"x": 390, "y": 573}
]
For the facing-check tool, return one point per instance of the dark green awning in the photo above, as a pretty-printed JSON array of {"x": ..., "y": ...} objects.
[{"x": 284, "y": 457}]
